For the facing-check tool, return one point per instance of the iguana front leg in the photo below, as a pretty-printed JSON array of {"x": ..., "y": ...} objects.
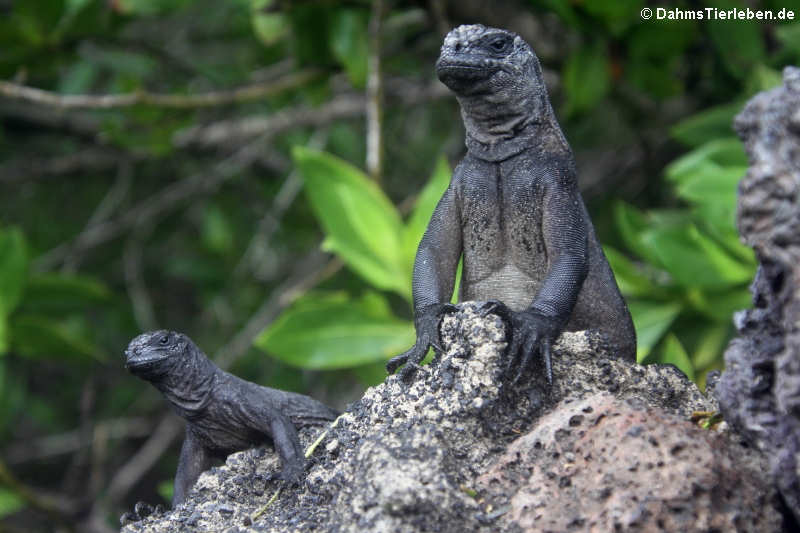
[
  {"x": 434, "y": 276},
  {"x": 426, "y": 323},
  {"x": 528, "y": 333},
  {"x": 287, "y": 444},
  {"x": 194, "y": 460}
]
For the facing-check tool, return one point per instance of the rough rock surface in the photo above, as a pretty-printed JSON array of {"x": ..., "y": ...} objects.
[
  {"x": 603, "y": 464},
  {"x": 759, "y": 392},
  {"x": 457, "y": 451}
]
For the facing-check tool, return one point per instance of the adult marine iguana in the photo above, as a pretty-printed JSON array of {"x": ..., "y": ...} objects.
[
  {"x": 514, "y": 212},
  {"x": 223, "y": 413}
]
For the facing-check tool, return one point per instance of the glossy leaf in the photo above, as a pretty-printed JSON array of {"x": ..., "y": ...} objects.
[
  {"x": 586, "y": 78},
  {"x": 651, "y": 320},
  {"x": 41, "y": 337},
  {"x": 217, "y": 232},
  {"x": 61, "y": 292},
  {"x": 349, "y": 43},
  {"x": 361, "y": 224},
  {"x": 331, "y": 330},
  {"x": 10, "y": 502},
  {"x": 13, "y": 268},
  {"x": 629, "y": 277},
  {"x": 739, "y": 43},
  {"x": 693, "y": 259},
  {"x": 708, "y": 350},
  {"x": 720, "y": 305},
  {"x": 725, "y": 152},
  {"x": 710, "y": 124},
  {"x": 673, "y": 353},
  {"x": 269, "y": 25},
  {"x": 631, "y": 223}
]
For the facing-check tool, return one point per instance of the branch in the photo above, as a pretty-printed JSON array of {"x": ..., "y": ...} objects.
[
  {"x": 312, "y": 270},
  {"x": 57, "y": 510},
  {"x": 374, "y": 109},
  {"x": 155, "y": 205},
  {"x": 143, "y": 460},
  {"x": 23, "y": 168},
  {"x": 70, "y": 441},
  {"x": 174, "y": 101},
  {"x": 232, "y": 131},
  {"x": 344, "y": 106},
  {"x": 280, "y": 204}
]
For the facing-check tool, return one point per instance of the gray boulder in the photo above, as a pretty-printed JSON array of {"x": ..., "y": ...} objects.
[
  {"x": 759, "y": 391},
  {"x": 460, "y": 450}
]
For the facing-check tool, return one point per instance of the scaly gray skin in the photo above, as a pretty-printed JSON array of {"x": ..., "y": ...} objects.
[
  {"x": 223, "y": 413},
  {"x": 514, "y": 212}
]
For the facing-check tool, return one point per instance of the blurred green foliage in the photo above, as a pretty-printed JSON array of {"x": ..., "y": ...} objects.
[{"x": 122, "y": 218}]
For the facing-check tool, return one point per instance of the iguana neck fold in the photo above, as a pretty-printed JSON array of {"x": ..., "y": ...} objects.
[{"x": 189, "y": 385}]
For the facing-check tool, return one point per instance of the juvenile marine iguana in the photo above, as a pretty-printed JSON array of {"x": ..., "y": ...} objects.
[
  {"x": 223, "y": 413},
  {"x": 513, "y": 210}
]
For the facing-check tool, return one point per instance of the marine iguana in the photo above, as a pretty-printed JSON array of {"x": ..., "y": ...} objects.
[
  {"x": 514, "y": 212},
  {"x": 223, "y": 413}
]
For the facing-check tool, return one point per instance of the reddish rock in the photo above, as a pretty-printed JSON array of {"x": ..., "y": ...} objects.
[{"x": 604, "y": 464}]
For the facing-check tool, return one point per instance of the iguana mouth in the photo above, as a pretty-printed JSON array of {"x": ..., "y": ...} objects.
[
  {"x": 465, "y": 70},
  {"x": 140, "y": 363}
]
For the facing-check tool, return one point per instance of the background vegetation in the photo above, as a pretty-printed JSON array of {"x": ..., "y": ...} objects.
[{"x": 256, "y": 173}]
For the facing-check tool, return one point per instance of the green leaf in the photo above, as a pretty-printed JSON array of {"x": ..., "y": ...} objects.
[
  {"x": 720, "y": 305},
  {"x": 762, "y": 78},
  {"x": 789, "y": 37},
  {"x": 739, "y": 43},
  {"x": 710, "y": 124},
  {"x": 269, "y": 26},
  {"x": 332, "y": 330},
  {"x": 78, "y": 79},
  {"x": 631, "y": 224},
  {"x": 149, "y": 7},
  {"x": 629, "y": 277},
  {"x": 60, "y": 292},
  {"x": 310, "y": 32},
  {"x": 10, "y": 502},
  {"x": 586, "y": 78},
  {"x": 723, "y": 152},
  {"x": 361, "y": 224},
  {"x": 424, "y": 207},
  {"x": 349, "y": 43},
  {"x": 651, "y": 320},
  {"x": 13, "y": 269},
  {"x": 674, "y": 353},
  {"x": 217, "y": 233},
  {"x": 563, "y": 8},
  {"x": 617, "y": 15},
  {"x": 41, "y": 337},
  {"x": 711, "y": 184},
  {"x": 371, "y": 374},
  {"x": 166, "y": 489},
  {"x": 4, "y": 340},
  {"x": 693, "y": 259},
  {"x": 710, "y": 347}
]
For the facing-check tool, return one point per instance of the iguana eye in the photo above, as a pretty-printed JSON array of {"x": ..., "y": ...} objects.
[
  {"x": 164, "y": 339},
  {"x": 500, "y": 44}
]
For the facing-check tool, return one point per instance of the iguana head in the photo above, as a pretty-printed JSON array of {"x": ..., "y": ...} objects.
[
  {"x": 476, "y": 59},
  {"x": 156, "y": 353},
  {"x": 498, "y": 82}
]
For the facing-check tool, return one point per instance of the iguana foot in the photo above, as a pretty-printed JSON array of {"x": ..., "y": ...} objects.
[
  {"x": 427, "y": 326},
  {"x": 140, "y": 511},
  {"x": 528, "y": 332}
]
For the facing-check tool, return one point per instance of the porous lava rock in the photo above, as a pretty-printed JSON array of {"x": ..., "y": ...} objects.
[
  {"x": 603, "y": 464},
  {"x": 421, "y": 456},
  {"x": 759, "y": 391}
]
